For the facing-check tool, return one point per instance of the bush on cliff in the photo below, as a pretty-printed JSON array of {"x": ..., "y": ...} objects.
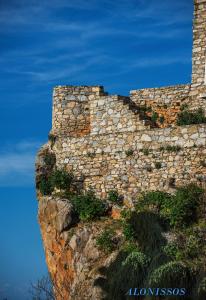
[
  {"x": 114, "y": 197},
  {"x": 88, "y": 206},
  {"x": 59, "y": 179},
  {"x": 44, "y": 185},
  {"x": 179, "y": 209},
  {"x": 105, "y": 240},
  {"x": 49, "y": 159},
  {"x": 177, "y": 273}
]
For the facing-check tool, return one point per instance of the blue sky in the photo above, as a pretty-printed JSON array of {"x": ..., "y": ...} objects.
[{"x": 123, "y": 45}]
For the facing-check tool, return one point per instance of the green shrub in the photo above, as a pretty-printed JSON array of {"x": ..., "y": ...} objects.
[
  {"x": 179, "y": 209},
  {"x": 49, "y": 159},
  {"x": 145, "y": 151},
  {"x": 129, "y": 247},
  {"x": 44, "y": 185},
  {"x": 174, "y": 274},
  {"x": 88, "y": 206},
  {"x": 129, "y": 152},
  {"x": 154, "y": 117},
  {"x": 113, "y": 196},
  {"x": 61, "y": 179},
  {"x": 153, "y": 198},
  {"x": 182, "y": 210},
  {"x": 126, "y": 214},
  {"x": 186, "y": 117},
  {"x": 170, "y": 148},
  {"x": 105, "y": 240},
  {"x": 136, "y": 260},
  {"x": 128, "y": 231},
  {"x": 193, "y": 246},
  {"x": 172, "y": 250},
  {"x": 184, "y": 107}
]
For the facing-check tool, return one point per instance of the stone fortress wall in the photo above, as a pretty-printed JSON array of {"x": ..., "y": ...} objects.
[{"x": 112, "y": 141}]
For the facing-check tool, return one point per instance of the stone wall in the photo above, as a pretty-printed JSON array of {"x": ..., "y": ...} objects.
[
  {"x": 136, "y": 161},
  {"x": 108, "y": 141},
  {"x": 199, "y": 42}
]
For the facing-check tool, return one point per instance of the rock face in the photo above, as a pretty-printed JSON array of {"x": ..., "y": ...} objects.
[
  {"x": 131, "y": 144},
  {"x": 72, "y": 256}
]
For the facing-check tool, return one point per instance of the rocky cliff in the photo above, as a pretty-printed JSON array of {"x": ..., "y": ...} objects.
[
  {"x": 102, "y": 249},
  {"x": 72, "y": 255}
]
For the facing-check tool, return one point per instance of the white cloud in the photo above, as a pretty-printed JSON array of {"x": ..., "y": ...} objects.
[
  {"x": 72, "y": 46},
  {"x": 17, "y": 163}
]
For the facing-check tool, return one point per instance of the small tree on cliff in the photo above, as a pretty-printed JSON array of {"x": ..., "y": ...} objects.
[{"x": 43, "y": 289}]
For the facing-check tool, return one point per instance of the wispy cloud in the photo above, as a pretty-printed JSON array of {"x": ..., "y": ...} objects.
[
  {"x": 17, "y": 163},
  {"x": 65, "y": 47}
]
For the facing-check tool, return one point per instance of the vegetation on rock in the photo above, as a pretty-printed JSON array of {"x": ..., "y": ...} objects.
[
  {"x": 114, "y": 197},
  {"x": 105, "y": 241},
  {"x": 88, "y": 206},
  {"x": 152, "y": 260}
]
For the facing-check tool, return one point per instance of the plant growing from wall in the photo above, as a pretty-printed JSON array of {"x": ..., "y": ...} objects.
[
  {"x": 129, "y": 152},
  {"x": 145, "y": 151},
  {"x": 184, "y": 107},
  {"x": 187, "y": 117},
  {"x": 113, "y": 196},
  {"x": 154, "y": 117},
  {"x": 171, "y": 148},
  {"x": 158, "y": 165}
]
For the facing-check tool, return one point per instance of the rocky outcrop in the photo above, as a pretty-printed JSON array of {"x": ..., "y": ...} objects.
[{"x": 72, "y": 256}]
